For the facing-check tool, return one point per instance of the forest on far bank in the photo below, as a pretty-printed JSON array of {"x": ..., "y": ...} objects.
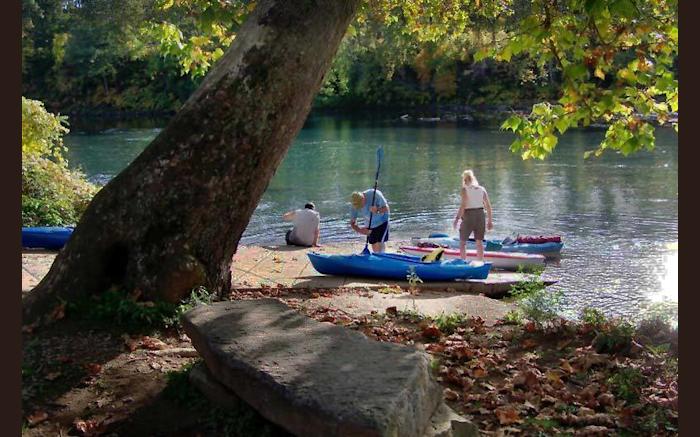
[{"x": 148, "y": 56}]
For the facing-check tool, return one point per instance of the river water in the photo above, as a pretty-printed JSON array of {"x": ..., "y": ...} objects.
[{"x": 618, "y": 215}]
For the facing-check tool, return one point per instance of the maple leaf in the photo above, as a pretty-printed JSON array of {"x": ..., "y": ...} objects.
[
  {"x": 431, "y": 331},
  {"x": 507, "y": 415},
  {"x": 528, "y": 378}
]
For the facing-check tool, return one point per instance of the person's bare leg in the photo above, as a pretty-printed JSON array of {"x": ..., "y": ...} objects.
[
  {"x": 480, "y": 249},
  {"x": 378, "y": 247},
  {"x": 463, "y": 250}
]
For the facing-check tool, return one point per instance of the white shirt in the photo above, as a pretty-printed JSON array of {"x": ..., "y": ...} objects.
[
  {"x": 305, "y": 224},
  {"x": 475, "y": 196}
]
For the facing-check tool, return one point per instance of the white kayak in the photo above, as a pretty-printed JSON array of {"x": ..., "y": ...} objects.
[{"x": 499, "y": 260}]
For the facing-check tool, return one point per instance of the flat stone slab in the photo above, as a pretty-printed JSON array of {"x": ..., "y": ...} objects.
[
  {"x": 313, "y": 378},
  {"x": 445, "y": 422}
]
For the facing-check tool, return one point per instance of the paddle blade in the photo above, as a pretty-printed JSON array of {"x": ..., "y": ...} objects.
[
  {"x": 365, "y": 251},
  {"x": 380, "y": 154}
]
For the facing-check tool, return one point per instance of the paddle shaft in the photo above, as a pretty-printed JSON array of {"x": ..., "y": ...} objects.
[{"x": 374, "y": 195}]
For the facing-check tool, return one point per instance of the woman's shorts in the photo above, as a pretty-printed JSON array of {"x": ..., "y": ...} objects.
[
  {"x": 473, "y": 220},
  {"x": 379, "y": 234}
]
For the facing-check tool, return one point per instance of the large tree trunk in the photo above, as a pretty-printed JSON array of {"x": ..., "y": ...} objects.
[{"x": 173, "y": 218}]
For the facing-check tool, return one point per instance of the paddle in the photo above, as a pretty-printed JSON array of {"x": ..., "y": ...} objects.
[{"x": 380, "y": 155}]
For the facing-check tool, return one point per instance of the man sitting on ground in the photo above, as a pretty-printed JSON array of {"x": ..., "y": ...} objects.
[{"x": 306, "y": 226}]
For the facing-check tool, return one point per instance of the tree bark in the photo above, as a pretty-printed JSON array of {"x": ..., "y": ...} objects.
[{"x": 172, "y": 219}]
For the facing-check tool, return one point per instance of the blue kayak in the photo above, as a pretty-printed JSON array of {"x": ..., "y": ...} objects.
[
  {"x": 549, "y": 249},
  {"x": 45, "y": 237},
  {"x": 396, "y": 266}
]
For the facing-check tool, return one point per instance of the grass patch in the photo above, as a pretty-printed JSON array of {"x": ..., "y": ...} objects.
[
  {"x": 116, "y": 308},
  {"x": 448, "y": 324},
  {"x": 626, "y": 383}
]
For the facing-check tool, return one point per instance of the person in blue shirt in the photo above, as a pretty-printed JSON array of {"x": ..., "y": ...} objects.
[{"x": 362, "y": 206}]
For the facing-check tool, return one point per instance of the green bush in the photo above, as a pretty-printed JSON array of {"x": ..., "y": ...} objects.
[
  {"x": 52, "y": 194},
  {"x": 42, "y": 131}
]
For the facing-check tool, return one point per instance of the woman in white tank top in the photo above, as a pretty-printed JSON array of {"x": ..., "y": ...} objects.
[{"x": 471, "y": 211}]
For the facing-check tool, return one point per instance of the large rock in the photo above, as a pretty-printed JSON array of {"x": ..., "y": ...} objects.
[
  {"x": 312, "y": 378},
  {"x": 444, "y": 422}
]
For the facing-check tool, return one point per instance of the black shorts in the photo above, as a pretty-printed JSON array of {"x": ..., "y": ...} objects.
[{"x": 379, "y": 234}]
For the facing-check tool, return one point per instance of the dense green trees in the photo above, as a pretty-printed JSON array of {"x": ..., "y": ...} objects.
[
  {"x": 52, "y": 194},
  {"x": 144, "y": 55},
  {"x": 609, "y": 61}
]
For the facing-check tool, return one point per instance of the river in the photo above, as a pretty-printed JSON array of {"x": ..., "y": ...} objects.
[{"x": 618, "y": 215}]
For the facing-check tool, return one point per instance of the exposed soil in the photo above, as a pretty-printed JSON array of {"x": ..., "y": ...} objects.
[{"x": 83, "y": 378}]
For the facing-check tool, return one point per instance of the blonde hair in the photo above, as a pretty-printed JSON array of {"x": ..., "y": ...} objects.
[
  {"x": 468, "y": 178},
  {"x": 356, "y": 199}
]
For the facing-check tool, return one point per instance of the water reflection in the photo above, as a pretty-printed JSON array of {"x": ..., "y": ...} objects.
[{"x": 617, "y": 214}]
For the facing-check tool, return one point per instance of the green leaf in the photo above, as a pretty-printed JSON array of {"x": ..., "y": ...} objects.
[
  {"x": 623, "y": 8},
  {"x": 481, "y": 54},
  {"x": 575, "y": 71},
  {"x": 549, "y": 142},
  {"x": 512, "y": 123},
  {"x": 562, "y": 124}
]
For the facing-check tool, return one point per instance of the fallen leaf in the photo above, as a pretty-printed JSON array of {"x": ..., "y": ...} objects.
[
  {"x": 529, "y": 343},
  {"x": 606, "y": 399},
  {"x": 554, "y": 376},
  {"x": 151, "y": 343},
  {"x": 130, "y": 343},
  {"x": 431, "y": 331},
  {"x": 37, "y": 417},
  {"x": 93, "y": 368},
  {"x": 508, "y": 415},
  {"x": 566, "y": 366},
  {"x": 594, "y": 430},
  {"x": 28, "y": 329},
  {"x": 528, "y": 378},
  {"x": 589, "y": 360},
  {"x": 315, "y": 295},
  {"x": 52, "y": 376},
  {"x": 89, "y": 428},
  {"x": 584, "y": 411},
  {"x": 478, "y": 372},
  {"x": 563, "y": 344},
  {"x": 530, "y": 406},
  {"x": 463, "y": 352},
  {"x": 58, "y": 312},
  {"x": 392, "y": 311},
  {"x": 450, "y": 394}
]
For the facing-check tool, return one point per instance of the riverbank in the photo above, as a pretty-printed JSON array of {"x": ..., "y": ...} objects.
[{"x": 88, "y": 373}]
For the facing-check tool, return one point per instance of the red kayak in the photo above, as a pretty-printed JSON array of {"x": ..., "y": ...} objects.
[{"x": 499, "y": 260}]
